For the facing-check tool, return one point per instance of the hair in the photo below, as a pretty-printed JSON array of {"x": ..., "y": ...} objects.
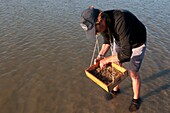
[{"x": 102, "y": 16}]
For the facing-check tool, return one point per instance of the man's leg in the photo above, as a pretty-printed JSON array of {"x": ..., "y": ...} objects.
[
  {"x": 136, "y": 82},
  {"x": 116, "y": 88},
  {"x": 135, "y": 63}
]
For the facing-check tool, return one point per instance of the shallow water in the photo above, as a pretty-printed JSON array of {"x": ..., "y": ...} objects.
[{"x": 44, "y": 52}]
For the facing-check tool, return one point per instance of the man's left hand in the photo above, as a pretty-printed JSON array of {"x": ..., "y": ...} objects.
[{"x": 103, "y": 62}]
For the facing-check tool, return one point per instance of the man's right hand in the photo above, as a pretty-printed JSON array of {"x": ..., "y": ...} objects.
[{"x": 97, "y": 60}]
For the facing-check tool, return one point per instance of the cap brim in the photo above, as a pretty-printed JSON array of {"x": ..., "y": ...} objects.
[{"x": 91, "y": 34}]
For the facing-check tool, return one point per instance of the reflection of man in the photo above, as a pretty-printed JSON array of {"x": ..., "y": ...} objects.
[{"x": 130, "y": 38}]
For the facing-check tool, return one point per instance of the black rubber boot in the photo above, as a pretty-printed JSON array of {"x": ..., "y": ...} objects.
[
  {"x": 135, "y": 104},
  {"x": 112, "y": 94}
]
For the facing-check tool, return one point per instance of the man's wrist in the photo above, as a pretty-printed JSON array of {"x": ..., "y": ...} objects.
[{"x": 100, "y": 56}]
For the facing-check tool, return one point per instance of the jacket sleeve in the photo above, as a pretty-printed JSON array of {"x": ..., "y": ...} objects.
[
  {"x": 123, "y": 30},
  {"x": 106, "y": 38}
]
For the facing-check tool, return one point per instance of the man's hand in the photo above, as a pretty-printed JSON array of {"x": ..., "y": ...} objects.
[
  {"x": 103, "y": 62},
  {"x": 99, "y": 57},
  {"x": 97, "y": 60}
]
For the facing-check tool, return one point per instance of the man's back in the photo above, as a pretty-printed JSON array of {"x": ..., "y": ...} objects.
[{"x": 125, "y": 24}]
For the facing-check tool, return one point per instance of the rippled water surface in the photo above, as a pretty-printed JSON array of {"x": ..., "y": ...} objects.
[{"x": 44, "y": 52}]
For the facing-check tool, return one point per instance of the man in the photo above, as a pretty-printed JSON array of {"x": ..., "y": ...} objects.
[{"x": 130, "y": 39}]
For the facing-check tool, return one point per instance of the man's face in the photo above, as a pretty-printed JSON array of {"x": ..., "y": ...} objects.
[{"x": 101, "y": 26}]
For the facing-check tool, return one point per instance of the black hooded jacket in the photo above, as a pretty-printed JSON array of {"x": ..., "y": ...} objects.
[{"x": 127, "y": 30}]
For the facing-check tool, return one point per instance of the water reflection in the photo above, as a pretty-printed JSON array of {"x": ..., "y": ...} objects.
[{"x": 44, "y": 52}]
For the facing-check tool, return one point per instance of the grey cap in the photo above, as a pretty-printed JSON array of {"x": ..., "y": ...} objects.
[{"x": 88, "y": 20}]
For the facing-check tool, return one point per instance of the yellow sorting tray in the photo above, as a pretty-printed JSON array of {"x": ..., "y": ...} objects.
[{"x": 111, "y": 85}]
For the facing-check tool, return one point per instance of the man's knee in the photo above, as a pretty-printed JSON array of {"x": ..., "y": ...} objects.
[{"x": 134, "y": 75}]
